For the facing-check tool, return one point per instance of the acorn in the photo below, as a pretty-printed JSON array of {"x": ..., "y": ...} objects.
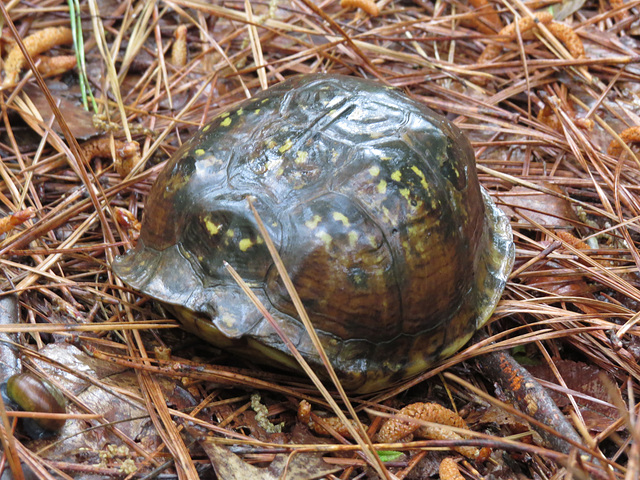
[{"x": 29, "y": 393}]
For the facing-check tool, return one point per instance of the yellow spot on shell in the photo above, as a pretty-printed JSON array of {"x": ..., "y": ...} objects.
[
  {"x": 406, "y": 193},
  {"x": 396, "y": 176},
  {"x": 245, "y": 244},
  {"x": 259, "y": 240},
  {"x": 265, "y": 100},
  {"x": 333, "y": 113},
  {"x": 382, "y": 187},
  {"x": 287, "y": 145},
  {"x": 339, "y": 217},
  {"x": 325, "y": 237},
  {"x": 206, "y": 127},
  {"x": 199, "y": 152},
  {"x": 313, "y": 223},
  {"x": 224, "y": 115},
  {"x": 272, "y": 163},
  {"x": 228, "y": 320},
  {"x": 271, "y": 144},
  {"x": 374, "y": 171},
  {"x": 423, "y": 181},
  {"x": 301, "y": 157},
  {"x": 353, "y": 238},
  {"x": 226, "y": 122},
  {"x": 256, "y": 111},
  {"x": 388, "y": 217},
  {"x": 174, "y": 183},
  {"x": 230, "y": 233},
  {"x": 372, "y": 241},
  {"x": 240, "y": 112},
  {"x": 213, "y": 228}
]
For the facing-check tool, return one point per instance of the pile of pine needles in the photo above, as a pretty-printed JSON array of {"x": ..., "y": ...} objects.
[{"x": 548, "y": 93}]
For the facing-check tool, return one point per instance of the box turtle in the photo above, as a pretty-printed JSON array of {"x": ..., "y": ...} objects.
[{"x": 374, "y": 204}]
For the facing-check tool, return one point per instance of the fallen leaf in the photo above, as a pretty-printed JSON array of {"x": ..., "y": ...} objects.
[
  {"x": 228, "y": 465},
  {"x": 558, "y": 212},
  {"x": 79, "y": 120},
  {"x": 598, "y": 413}
]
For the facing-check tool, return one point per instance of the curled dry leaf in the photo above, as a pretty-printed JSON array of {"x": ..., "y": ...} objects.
[
  {"x": 126, "y": 153},
  {"x": 368, "y": 6},
  {"x": 547, "y": 116},
  {"x": 127, "y": 220},
  {"x": 629, "y": 135},
  {"x": 525, "y": 24},
  {"x": 572, "y": 240},
  {"x": 304, "y": 415},
  {"x": 484, "y": 14},
  {"x": 561, "y": 31},
  {"x": 18, "y": 218},
  {"x": 35, "y": 44}
]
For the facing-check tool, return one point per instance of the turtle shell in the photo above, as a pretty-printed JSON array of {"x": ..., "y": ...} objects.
[{"x": 374, "y": 204}]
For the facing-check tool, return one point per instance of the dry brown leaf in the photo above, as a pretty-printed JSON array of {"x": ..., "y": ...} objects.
[
  {"x": 548, "y": 210},
  {"x": 596, "y": 407},
  {"x": 228, "y": 465}
]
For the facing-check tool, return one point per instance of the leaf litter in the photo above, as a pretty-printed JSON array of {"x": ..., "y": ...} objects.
[{"x": 554, "y": 137}]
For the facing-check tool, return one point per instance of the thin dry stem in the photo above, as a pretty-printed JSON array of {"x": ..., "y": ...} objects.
[{"x": 125, "y": 154}]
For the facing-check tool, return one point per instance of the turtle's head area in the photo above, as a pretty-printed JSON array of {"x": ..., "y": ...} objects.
[{"x": 190, "y": 272}]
